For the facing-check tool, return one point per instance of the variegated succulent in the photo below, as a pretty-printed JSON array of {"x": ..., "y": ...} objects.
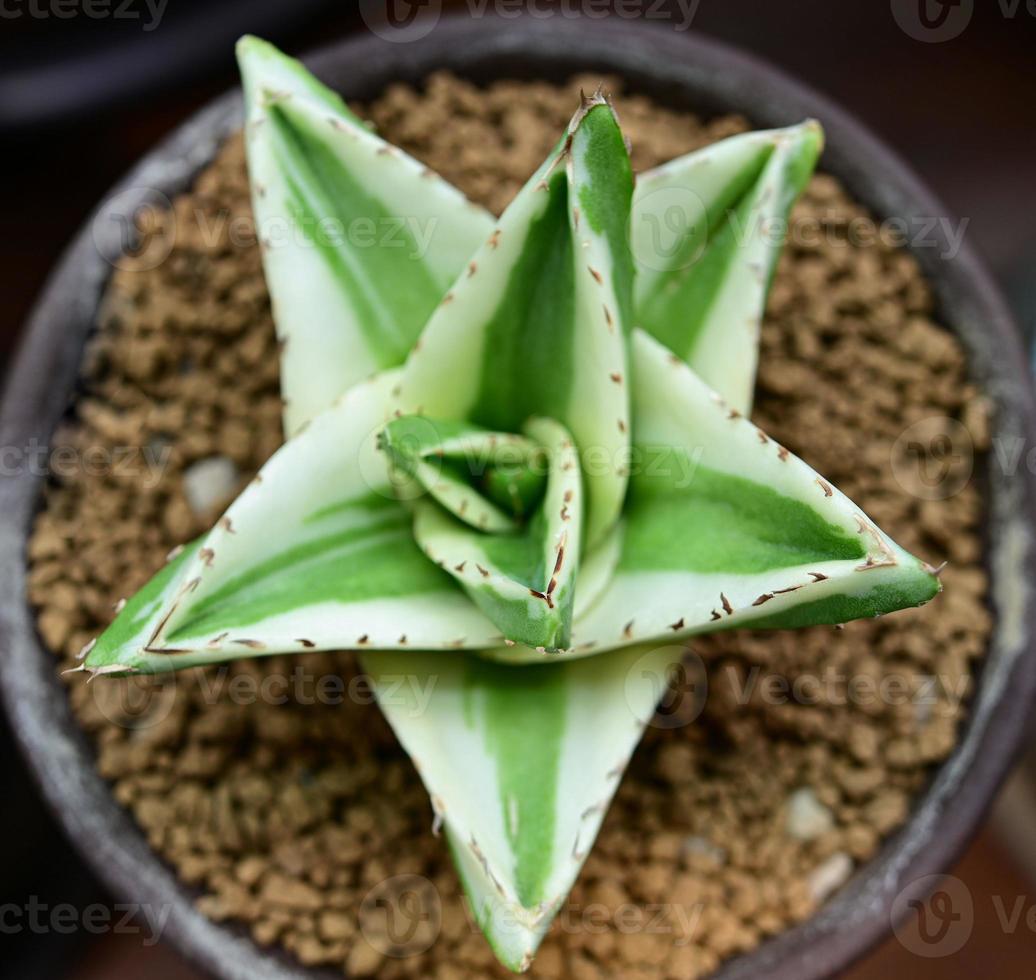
[{"x": 519, "y": 465}]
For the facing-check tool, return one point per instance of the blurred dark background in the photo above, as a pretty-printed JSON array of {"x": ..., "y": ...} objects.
[{"x": 83, "y": 93}]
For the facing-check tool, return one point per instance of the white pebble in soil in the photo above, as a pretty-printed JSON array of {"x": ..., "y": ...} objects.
[
  {"x": 209, "y": 482},
  {"x": 807, "y": 818},
  {"x": 702, "y": 845},
  {"x": 828, "y": 876}
]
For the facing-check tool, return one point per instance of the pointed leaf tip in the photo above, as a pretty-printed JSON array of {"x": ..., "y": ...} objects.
[
  {"x": 331, "y": 193},
  {"x": 522, "y": 811},
  {"x": 702, "y": 235},
  {"x": 586, "y": 103}
]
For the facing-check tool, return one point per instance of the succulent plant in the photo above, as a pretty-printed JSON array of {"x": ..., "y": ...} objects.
[{"x": 519, "y": 466}]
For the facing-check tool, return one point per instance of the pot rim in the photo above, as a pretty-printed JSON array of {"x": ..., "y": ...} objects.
[{"x": 685, "y": 70}]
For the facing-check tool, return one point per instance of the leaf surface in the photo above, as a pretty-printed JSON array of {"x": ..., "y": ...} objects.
[
  {"x": 316, "y": 553},
  {"x": 707, "y": 230},
  {"x": 725, "y": 528},
  {"x": 360, "y": 241},
  {"x": 521, "y": 764},
  {"x": 538, "y": 323}
]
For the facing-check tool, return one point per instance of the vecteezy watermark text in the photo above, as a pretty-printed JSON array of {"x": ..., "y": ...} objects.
[
  {"x": 142, "y": 464},
  {"x": 402, "y": 21},
  {"x": 680, "y": 12},
  {"x": 142, "y": 701},
  {"x": 39, "y": 918},
  {"x": 148, "y": 12}
]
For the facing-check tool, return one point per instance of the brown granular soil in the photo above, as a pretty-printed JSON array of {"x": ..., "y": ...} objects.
[{"x": 285, "y": 813}]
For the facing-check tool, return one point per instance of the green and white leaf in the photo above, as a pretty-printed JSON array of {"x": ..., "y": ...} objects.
[
  {"x": 538, "y": 324},
  {"x": 726, "y": 528},
  {"x": 316, "y": 553},
  {"x": 706, "y": 232},
  {"x": 360, "y": 241},
  {"x": 521, "y": 764}
]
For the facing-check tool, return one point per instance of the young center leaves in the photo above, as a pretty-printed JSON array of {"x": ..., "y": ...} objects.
[{"x": 488, "y": 462}]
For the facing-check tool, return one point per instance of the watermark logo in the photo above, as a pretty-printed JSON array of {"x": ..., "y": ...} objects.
[
  {"x": 933, "y": 459},
  {"x": 135, "y": 702},
  {"x": 125, "y": 229},
  {"x": 401, "y": 21},
  {"x": 670, "y": 227},
  {"x": 392, "y": 481},
  {"x": 401, "y": 916},
  {"x": 679, "y": 686},
  {"x": 932, "y": 21},
  {"x": 939, "y": 925}
]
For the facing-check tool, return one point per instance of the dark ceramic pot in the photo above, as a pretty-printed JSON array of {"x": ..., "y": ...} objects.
[{"x": 676, "y": 69}]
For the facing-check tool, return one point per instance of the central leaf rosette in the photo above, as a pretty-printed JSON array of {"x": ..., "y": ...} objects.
[{"x": 501, "y": 513}]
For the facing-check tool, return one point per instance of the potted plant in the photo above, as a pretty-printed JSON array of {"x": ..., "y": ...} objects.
[{"x": 496, "y": 500}]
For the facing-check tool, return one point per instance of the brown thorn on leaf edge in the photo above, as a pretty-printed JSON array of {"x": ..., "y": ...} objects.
[
  {"x": 251, "y": 644},
  {"x": 552, "y": 585},
  {"x": 544, "y": 596}
]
